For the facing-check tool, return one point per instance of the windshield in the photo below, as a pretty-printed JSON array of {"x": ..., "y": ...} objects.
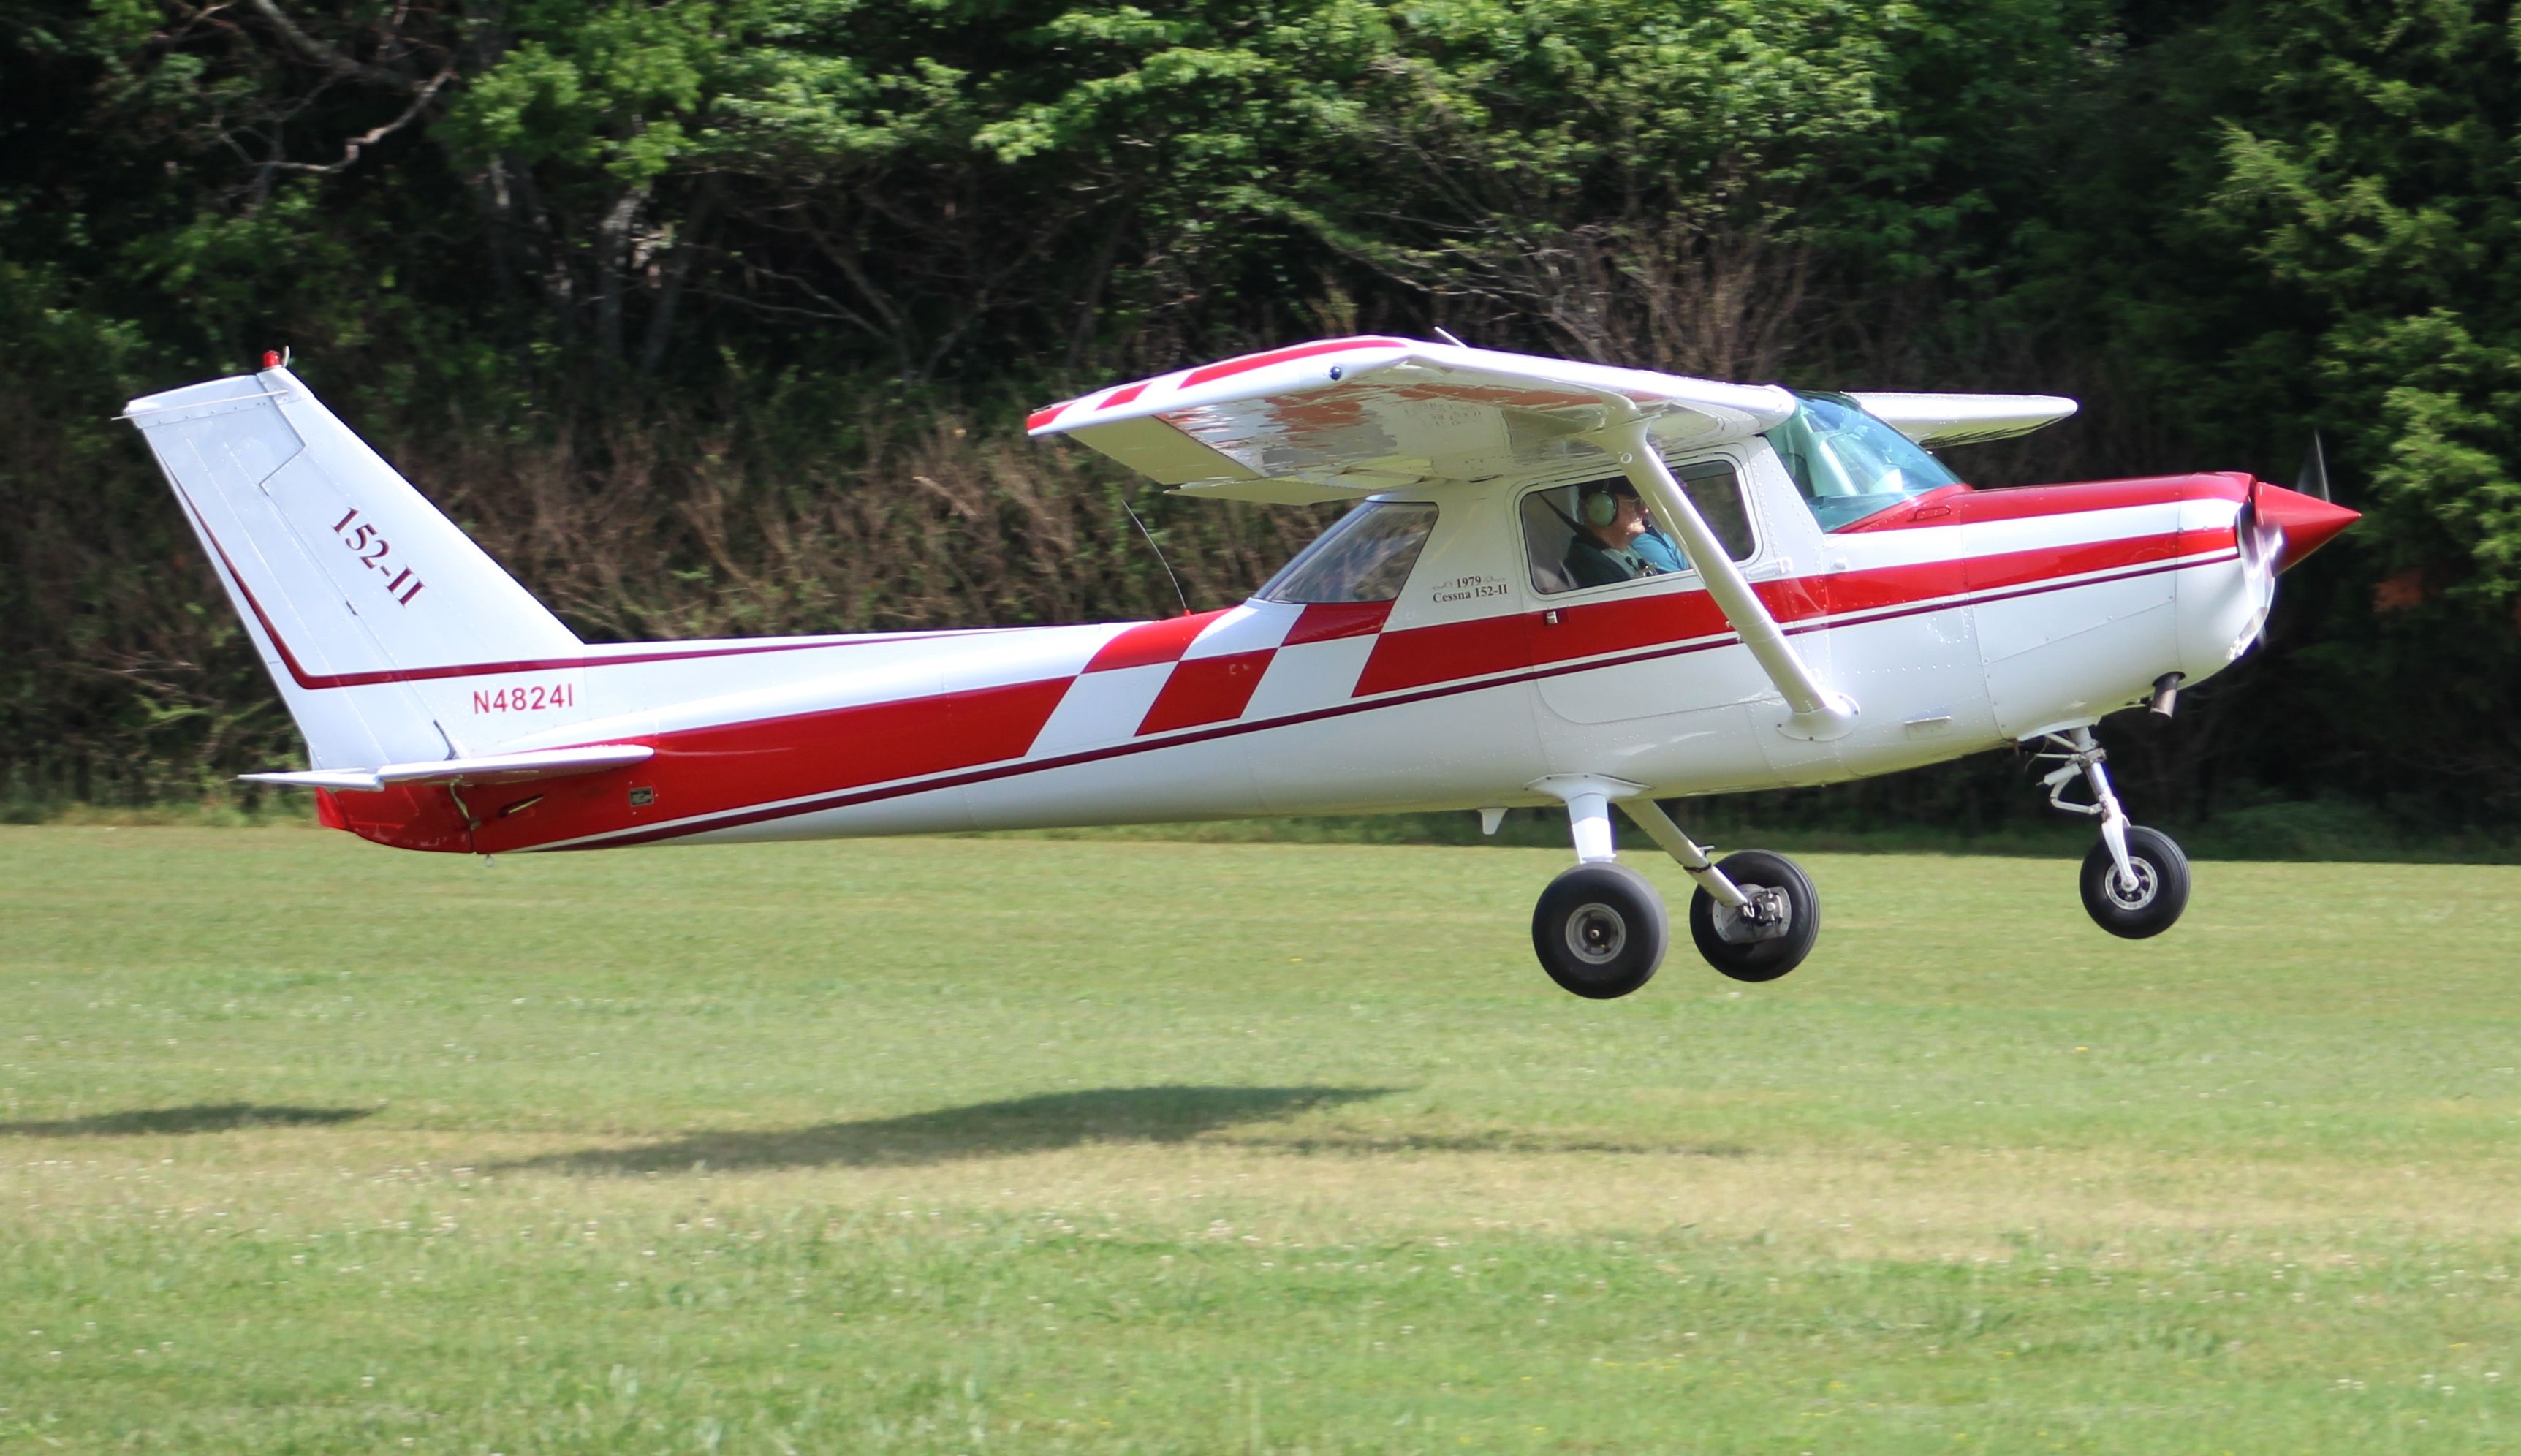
[
  {"x": 1364, "y": 557},
  {"x": 1849, "y": 465}
]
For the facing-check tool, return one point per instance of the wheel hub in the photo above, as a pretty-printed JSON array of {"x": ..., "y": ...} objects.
[
  {"x": 1596, "y": 934},
  {"x": 2135, "y": 893},
  {"x": 1769, "y": 915}
]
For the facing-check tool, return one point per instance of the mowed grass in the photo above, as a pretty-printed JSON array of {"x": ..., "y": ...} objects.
[{"x": 1099, "y": 1147}]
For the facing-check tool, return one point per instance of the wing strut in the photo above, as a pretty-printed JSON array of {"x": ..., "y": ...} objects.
[{"x": 1819, "y": 714}]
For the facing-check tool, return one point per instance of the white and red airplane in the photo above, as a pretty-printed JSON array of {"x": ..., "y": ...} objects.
[{"x": 1561, "y": 584}]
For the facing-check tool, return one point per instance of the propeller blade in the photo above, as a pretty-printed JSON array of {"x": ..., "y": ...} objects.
[{"x": 2313, "y": 480}]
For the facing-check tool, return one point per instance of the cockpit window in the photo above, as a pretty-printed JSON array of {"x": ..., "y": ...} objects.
[
  {"x": 1364, "y": 557},
  {"x": 1849, "y": 465}
]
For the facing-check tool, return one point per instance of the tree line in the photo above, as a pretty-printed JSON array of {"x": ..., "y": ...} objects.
[{"x": 721, "y": 316}]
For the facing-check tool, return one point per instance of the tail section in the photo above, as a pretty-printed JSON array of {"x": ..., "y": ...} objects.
[{"x": 380, "y": 622}]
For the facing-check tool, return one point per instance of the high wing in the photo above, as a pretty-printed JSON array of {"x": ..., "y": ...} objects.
[
  {"x": 1343, "y": 418},
  {"x": 1349, "y": 416},
  {"x": 1964, "y": 419}
]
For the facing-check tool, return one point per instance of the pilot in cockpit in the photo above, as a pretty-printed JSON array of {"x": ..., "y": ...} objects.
[{"x": 1616, "y": 538}]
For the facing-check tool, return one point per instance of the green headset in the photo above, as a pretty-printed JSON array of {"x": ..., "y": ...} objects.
[{"x": 1597, "y": 505}]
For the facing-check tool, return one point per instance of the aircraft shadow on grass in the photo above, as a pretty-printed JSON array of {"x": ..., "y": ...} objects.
[
  {"x": 1496, "y": 1140},
  {"x": 988, "y": 1129},
  {"x": 224, "y": 1117}
]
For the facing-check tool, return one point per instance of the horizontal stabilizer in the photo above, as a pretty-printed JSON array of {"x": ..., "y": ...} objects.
[
  {"x": 493, "y": 768},
  {"x": 356, "y": 780}
]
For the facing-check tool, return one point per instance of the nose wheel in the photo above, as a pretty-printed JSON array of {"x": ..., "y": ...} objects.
[
  {"x": 2146, "y": 900},
  {"x": 2136, "y": 880}
]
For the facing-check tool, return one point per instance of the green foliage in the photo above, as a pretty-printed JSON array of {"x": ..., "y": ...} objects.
[
  {"x": 740, "y": 264},
  {"x": 2373, "y": 176}
]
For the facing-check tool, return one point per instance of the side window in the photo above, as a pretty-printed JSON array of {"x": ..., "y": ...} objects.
[
  {"x": 1364, "y": 557},
  {"x": 1599, "y": 533}
]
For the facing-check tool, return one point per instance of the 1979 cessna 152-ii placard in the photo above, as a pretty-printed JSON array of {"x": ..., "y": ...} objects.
[{"x": 1560, "y": 584}]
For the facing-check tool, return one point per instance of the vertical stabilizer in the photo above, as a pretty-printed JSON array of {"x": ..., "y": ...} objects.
[{"x": 376, "y": 615}]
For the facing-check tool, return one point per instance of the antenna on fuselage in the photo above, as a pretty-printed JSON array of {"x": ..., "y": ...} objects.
[
  {"x": 1447, "y": 335},
  {"x": 1160, "y": 555}
]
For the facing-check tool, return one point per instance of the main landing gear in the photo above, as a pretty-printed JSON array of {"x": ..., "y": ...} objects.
[
  {"x": 2136, "y": 880},
  {"x": 1600, "y": 928}
]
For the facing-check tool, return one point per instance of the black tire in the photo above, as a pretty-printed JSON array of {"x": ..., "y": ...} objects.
[
  {"x": 1748, "y": 952},
  {"x": 2162, "y": 889},
  {"x": 1600, "y": 931}
]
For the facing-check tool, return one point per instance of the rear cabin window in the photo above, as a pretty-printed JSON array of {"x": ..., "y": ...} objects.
[
  {"x": 1364, "y": 557},
  {"x": 1600, "y": 532}
]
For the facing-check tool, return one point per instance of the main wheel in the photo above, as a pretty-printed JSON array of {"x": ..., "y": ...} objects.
[
  {"x": 2150, "y": 905},
  {"x": 1767, "y": 944},
  {"x": 1600, "y": 931}
]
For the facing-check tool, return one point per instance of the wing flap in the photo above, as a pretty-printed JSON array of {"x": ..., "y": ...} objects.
[{"x": 1155, "y": 448}]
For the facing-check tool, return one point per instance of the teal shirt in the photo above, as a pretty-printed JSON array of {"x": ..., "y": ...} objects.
[{"x": 1592, "y": 564}]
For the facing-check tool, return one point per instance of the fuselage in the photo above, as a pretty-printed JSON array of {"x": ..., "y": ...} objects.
[{"x": 1959, "y": 621}]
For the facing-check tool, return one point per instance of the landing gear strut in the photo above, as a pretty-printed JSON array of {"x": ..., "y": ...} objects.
[
  {"x": 1600, "y": 930},
  {"x": 2136, "y": 880}
]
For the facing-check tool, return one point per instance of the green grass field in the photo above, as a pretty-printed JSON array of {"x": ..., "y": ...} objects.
[{"x": 1019, "y": 1145}]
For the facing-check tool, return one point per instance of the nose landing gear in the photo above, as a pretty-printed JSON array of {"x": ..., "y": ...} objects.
[
  {"x": 1600, "y": 930},
  {"x": 2136, "y": 880}
]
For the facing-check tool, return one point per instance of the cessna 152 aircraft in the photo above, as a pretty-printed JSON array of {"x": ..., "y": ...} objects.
[{"x": 1561, "y": 584}]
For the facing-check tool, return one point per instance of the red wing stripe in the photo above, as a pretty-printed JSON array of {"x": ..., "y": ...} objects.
[
  {"x": 1122, "y": 395},
  {"x": 1245, "y": 363},
  {"x": 1206, "y": 690}
]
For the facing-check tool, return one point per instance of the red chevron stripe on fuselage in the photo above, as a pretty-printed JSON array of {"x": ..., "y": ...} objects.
[{"x": 758, "y": 770}]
